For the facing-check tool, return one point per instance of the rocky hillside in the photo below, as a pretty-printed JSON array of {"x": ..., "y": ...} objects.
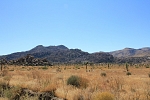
[
  {"x": 130, "y": 52},
  {"x": 61, "y": 54}
]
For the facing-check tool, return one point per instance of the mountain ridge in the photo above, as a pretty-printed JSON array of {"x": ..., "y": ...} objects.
[{"x": 62, "y": 54}]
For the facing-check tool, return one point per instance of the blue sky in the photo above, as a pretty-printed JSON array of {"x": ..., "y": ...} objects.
[{"x": 90, "y": 25}]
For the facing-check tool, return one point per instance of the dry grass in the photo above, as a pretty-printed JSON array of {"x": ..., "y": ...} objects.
[{"x": 116, "y": 82}]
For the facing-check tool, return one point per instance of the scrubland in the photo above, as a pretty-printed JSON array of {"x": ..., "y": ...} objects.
[{"x": 97, "y": 82}]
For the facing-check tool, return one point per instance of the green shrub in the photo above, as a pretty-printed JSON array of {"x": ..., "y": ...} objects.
[
  {"x": 45, "y": 68},
  {"x": 147, "y": 66},
  {"x": 11, "y": 70},
  {"x": 128, "y": 73},
  {"x": 149, "y": 75},
  {"x": 77, "y": 81},
  {"x": 12, "y": 93},
  {"x": 73, "y": 80},
  {"x": 136, "y": 66},
  {"x": 103, "y": 96},
  {"x": 103, "y": 74}
]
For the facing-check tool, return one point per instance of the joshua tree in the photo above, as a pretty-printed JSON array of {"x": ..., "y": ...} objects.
[
  {"x": 127, "y": 67},
  {"x": 86, "y": 64},
  {"x": 2, "y": 62},
  {"x": 108, "y": 66}
]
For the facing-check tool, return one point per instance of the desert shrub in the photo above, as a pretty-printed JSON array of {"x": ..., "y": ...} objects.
[
  {"x": 12, "y": 93},
  {"x": 147, "y": 66},
  {"x": 149, "y": 75},
  {"x": 103, "y": 96},
  {"x": 23, "y": 67},
  {"x": 77, "y": 81},
  {"x": 45, "y": 68},
  {"x": 4, "y": 72},
  {"x": 3, "y": 85},
  {"x": 136, "y": 66},
  {"x": 11, "y": 70},
  {"x": 103, "y": 74},
  {"x": 58, "y": 69},
  {"x": 73, "y": 80},
  {"x": 78, "y": 97},
  {"x": 83, "y": 82},
  {"x": 128, "y": 73}
]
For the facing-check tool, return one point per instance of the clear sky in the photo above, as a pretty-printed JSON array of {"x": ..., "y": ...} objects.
[{"x": 90, "y": 25}]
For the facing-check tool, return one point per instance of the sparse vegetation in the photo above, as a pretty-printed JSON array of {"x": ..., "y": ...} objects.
[{"x": 74, "y": 84}]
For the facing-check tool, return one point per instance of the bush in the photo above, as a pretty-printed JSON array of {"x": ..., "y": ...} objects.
[
  {"x": 128, "y": 73},
  {"x": 77, "y": 81},
  {"x": 149, "y": 75},
  {"x": 12, "y": 93},
  {"x": 73, "y": 80},
  {"x": 103, "y": 74},
  {"x": 103, "y": 96},
  {"x": 45, "y": 68},
  {"x": 4, "y": 72},
  {"x": 147, "y": 66}
]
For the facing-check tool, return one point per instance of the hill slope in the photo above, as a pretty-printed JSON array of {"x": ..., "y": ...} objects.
[{"x": 131, "y": 52}]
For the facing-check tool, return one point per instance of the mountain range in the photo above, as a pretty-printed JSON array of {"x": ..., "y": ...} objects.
[{"x": 62, "y": 54}]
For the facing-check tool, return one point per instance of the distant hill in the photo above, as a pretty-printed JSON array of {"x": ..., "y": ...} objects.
[
  {"x": 61, "y": 54},
  {"x": 40, "y": 49},
  {"x": 131, "y": 52}
]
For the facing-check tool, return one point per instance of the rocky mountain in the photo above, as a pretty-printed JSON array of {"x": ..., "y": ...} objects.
[
  {"x": 61, "y": 54},
  {"x": 39, "y": 50},
  {"x": 131, "y": 52}
]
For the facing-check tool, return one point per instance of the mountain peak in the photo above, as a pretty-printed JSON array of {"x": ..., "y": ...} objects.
[
  {"x": 128, "y": 48},
  {"x": 62, "y": 47},
  {"x": 39, "y": 46}
]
